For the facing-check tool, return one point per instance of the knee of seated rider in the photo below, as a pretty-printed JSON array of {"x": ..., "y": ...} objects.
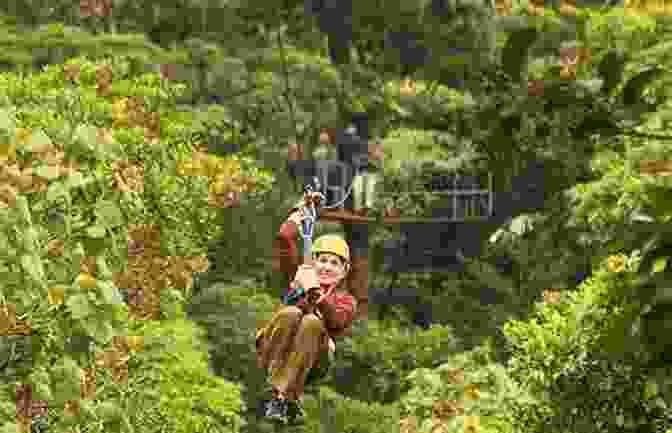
[
  {"x": 290, "y": 312},
  {"x": 311, "y": 322}
]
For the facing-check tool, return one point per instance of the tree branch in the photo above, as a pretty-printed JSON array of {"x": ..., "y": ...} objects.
[
  {"x": 286, "y": 93},
  {"x": 633, "y": 133}
]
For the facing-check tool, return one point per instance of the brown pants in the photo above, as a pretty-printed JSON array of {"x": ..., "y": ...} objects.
[{"x": 288, "y": 347}]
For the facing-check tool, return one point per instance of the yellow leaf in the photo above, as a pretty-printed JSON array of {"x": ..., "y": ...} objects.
[
  {"x": 472, "y": 392},
  {"x": 616, "y": 263},
  {"x": 56, "y": 295},
  {"x": 408, "y": 425},
  {"x": 86, "y": 281},
  {"x": 472, "y": 424},
  {"x": 22, "y": 135},
  {"x": 219, "y": 187},
  {"x": 56, "y": 247},
  {"x": 135, "y": 342},
  {"x": 568, "y": 10},
  {"x": 438, "y": 426},
  {"x": 8, "y": 152},
  {"x": 25, "y": 181},
  {"x": 191, "y": 168},
  {"x": 649, "y": 167},
  {"x": 455, "y": 376}
]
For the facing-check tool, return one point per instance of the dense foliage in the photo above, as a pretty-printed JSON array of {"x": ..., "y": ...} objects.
[{"x": 115, "y": 188}]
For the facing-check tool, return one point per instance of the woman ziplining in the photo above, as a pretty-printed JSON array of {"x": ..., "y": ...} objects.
[{"x": 297, "y": 346}]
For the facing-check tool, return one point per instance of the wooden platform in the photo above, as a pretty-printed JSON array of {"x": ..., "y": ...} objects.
[{"x": 345, "y": 216}]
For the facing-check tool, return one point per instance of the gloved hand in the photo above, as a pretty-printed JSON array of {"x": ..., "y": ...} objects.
[
  {"x": 294, "y": 213},
  {"x": 306, "y": 277}
]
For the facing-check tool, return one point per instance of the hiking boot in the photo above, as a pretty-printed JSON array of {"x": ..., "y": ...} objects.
[
  {"x": 276, "y": 410},
  {"x": 295, "y": 412}
]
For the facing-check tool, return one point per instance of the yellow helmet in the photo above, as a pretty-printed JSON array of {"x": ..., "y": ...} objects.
[{"x": 332, "y": 244}]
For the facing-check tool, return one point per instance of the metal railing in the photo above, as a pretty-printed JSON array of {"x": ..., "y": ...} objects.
[
  {"x": 468, "y": 204},
  {"x": 484, "y": 197}
]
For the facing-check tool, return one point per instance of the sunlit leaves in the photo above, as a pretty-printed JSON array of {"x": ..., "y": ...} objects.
[
  {"x": 647, "y": 7},
  {"x": 472, "y": 424},
  {"x": 660, "y": 264},
  {"x": 86, "y": 281}
]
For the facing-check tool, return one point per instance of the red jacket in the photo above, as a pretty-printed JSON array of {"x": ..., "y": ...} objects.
[{"x": 338, "y": 309}]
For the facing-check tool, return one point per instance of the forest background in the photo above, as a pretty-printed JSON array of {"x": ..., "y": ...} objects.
[{"x": 129, "y": 305}]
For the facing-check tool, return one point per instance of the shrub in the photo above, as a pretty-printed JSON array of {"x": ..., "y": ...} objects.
[
  {"x": 86, "y": 158},
  {"x": 231, "y": 316},
  {"x": 334, "y": 412},
  {"x": 561, "y": 355},
  {"x": 190, "y": 398},
  {"x": 381, "y": 354},
  {"x": 437, "y": 395}
]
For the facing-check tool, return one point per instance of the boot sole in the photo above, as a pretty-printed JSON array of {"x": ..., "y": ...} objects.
[{"x": 261, "y": 409}]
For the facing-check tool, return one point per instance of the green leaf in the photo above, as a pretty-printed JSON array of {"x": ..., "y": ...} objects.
[
  {"x": 650, "y": 390},
  {"x": 76, "y": 255},
  {"x": 632, "y": 92},
  {"x": 39, "y": 140},
  {"x": 56, "y": 190},
  {"x": 97, "y": 232},
  {"x": 79, "y": 306},
  {"x": 660, "y": 264},
  {"x": 10, "y": 427},
  {"x": 512, "y": 23},
  {"x": 24, "y": 209},
  {"x": 110, "y": 292},
  {"x": 560, "y": 93},
  {"x": 76, "y": 180},
  {"x": 633, "y": 115},
  {"x": 7, "y": 120},
  {"x": 30, "y": 239},
  {"x": 32, "y": 264},
  {"x": 4, "y": 242},
  {"x": 65, "y": 380},
  {"x": 109, "y": 411},
  {"x": 110, "y": 214},
  {"x": 40, "y": 381},
  {"x": 104, "y": 272},
  {"x": 516, "y": 51},
  {"x": 593, "y": 86},
  {"x": 48, "y": 172},
  {"x": 99, "y": 328},
  {"x": 620, "y": 420},
  {"x": 611, "y": 69},
  {"x": 87, "y": 137}
]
